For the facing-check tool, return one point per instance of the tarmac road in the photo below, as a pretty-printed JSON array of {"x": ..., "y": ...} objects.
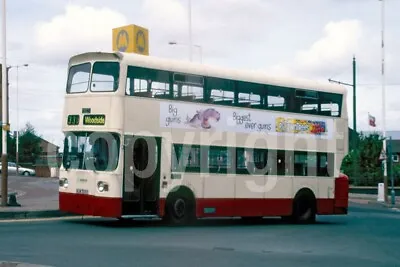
[{"x": 368, "y": 236}]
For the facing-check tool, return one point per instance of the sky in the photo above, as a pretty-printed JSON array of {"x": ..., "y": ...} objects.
[{"x": 316, "y": 39}]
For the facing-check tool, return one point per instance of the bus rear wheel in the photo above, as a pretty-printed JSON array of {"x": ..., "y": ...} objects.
[
  {"x": 180, "y": 210},
  {"x": 304, "y": 208}
]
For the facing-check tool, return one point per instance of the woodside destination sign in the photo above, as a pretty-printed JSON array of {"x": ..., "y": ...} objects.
[{"x": 94, "y": 119}]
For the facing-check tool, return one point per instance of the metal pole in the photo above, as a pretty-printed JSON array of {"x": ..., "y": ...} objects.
[
  {"x": 4, "y": 161},
  {"x": 384, "y": 162},
  {"x": 393, "y": 194},
  {"x": 17, "y": 143},
  {"x": 354, "y": 96},
  {"x": 354, "y": 137},
  {"x": 190, "y": 29}
]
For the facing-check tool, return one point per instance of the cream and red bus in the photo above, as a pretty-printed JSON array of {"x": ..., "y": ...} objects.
[{"x": 147, "y": 136}]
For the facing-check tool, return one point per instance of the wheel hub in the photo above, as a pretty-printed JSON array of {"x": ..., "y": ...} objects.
[{"x": 179, "y": 208}]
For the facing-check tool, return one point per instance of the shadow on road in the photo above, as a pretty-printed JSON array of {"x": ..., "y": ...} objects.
[{"x": 226, "y": 222}]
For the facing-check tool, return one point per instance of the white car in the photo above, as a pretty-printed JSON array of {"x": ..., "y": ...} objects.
[{"x": 12, "y": 170}]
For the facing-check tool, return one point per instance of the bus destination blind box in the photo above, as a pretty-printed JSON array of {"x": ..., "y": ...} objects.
[{"x": 93, "y": 119}]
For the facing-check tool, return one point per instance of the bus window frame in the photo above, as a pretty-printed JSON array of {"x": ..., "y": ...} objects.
[
  {"x": 118, "y": 80},
  {"x": 89, "y": 85},
  {"x": 68, "y": 87},
  {"x": 268, "y": 93},
  {"x": 116, "y": 137}
]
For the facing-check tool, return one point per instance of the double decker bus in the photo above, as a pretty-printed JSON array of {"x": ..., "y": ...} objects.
[{"x": 147, "y": 136}]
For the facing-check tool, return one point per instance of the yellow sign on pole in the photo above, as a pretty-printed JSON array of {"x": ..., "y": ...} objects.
[
  {"x": 6, "y": 127},
  {"x": 131, "y": 39}
]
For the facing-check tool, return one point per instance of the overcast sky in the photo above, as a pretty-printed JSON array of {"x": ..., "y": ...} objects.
[{"x": 313, "y": 39}]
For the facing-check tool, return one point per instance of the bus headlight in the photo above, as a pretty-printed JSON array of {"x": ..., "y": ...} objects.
[
  {"x": 63, "y": 182},
  {"x": 102, "y": 186}
]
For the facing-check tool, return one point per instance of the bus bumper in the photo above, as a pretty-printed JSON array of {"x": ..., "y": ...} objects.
[
  {"x": 90, "y": 205},
  {"x": 341, "y": 210},
  {"x": 341, "y": 194}
]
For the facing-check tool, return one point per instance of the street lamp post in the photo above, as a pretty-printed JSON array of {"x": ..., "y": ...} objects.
[
  {"x": 384, "y": 161},
  {"x": 354, "y": 136},
  {"x": 194, "y": 45},
  {"x": 4, "y": 173},
  {"x": 17, "y": 124},
  {"x": 354, "y": 94}
]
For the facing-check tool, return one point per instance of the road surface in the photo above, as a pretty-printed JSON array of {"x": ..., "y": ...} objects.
[{"x": 366, "y": 237}]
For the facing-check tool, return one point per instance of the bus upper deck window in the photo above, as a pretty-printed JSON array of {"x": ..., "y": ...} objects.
[
  {"x": 78, "y": 78},
  {"x": 105, "y": 77}
]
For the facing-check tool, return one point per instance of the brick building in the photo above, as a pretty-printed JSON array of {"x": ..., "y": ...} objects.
[{"x": 49, "y": 161}]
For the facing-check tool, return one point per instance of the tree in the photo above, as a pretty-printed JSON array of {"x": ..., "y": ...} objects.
[
  {"x": 29, "y": 145},
  {"x": 370, "y": 166},
  {"x": 365, "y": 158},
  {"x": 349, "y": 166},
  {"x": 396, "y": 174}
]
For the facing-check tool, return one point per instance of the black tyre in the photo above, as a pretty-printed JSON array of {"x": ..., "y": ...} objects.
[
  {"x": 120, "y": 219},
  {"x": 254, "y": 219},
  {"x": 287, "y": 219},
  {"x": 304, "y": 209},
  {"x": 180, "y": 210}
]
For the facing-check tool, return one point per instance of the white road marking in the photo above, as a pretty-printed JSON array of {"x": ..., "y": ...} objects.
[
  {"x": 396, "y": 209},
  {"x": 20, "y": 264}
]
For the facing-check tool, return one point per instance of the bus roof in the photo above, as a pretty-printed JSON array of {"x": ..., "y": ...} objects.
[{"x": 208, "y": 70}]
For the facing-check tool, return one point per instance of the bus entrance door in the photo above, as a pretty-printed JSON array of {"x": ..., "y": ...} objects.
[{"x": 141, "y": 175}]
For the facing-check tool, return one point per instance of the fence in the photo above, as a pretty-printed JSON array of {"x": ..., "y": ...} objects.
[{"x": 372, "y": 181}]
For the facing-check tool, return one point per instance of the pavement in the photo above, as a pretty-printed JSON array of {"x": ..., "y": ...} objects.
[
  {"x": 372, "y": 200},
  {"x": 38, "y": 198}
]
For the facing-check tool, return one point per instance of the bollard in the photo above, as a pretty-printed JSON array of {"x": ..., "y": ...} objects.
[
  {"x": 381, "y": 192},
  {"x": 12, "y": 201},
  {"x": 393, "y": 193}
]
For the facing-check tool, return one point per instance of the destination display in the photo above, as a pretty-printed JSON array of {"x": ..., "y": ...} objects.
[
  {"x": 94, "y": 119},
  {"x": 73, "y": 120},
  {"x": 217, "y": 118}
]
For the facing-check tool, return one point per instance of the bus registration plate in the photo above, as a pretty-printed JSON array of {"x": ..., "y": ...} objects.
[{"x": 82, "y": 191}]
